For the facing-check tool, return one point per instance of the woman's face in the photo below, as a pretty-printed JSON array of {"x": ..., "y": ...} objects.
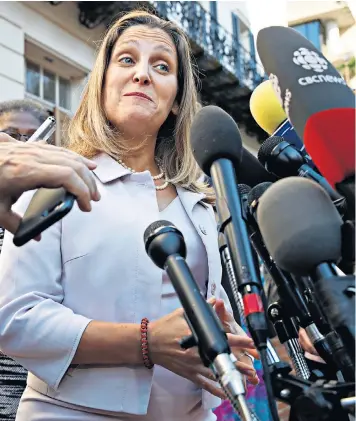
[
  {"x": 141, "y": 80},
  {"x": 19, "y": 124}
]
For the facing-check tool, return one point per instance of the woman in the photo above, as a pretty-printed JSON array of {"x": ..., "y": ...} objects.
[
  {"x": 95, "y": 322},
  {"x": 19, "y": 119}
]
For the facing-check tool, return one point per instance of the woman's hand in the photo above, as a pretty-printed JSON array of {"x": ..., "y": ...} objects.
[{"x": 163, "y": 338}]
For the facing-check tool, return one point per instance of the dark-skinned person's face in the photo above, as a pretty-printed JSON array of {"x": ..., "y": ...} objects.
[{"x": 19, "y": 124}]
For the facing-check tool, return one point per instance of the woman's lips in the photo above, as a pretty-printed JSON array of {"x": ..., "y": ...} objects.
[{"x": 140, "y": 95}]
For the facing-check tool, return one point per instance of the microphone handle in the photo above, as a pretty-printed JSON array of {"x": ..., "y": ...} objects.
[
  {"x": 233, "y": 284},
  {"x": 211, "y": 339},
  {"x": 233, "y": 226},
  {"x": 206, "y": 326},
  {"x": 286, "y": 288},
  {"x": 346, "y": 187},
  {"x": 307, "y": 172},
  {"x": 272, "y": 355}
]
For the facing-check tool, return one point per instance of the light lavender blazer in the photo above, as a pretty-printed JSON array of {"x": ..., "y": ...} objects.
[{"x": 92, "y": 266}]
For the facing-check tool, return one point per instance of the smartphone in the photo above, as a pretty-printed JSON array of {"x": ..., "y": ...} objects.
[
  {"x": 47, "y": 206},
  {"x": 45, "y": 131}
]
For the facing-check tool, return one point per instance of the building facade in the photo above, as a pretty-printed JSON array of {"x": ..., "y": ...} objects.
[
  {"x": 46, "y": 54},
  {"x": 48, "y": 48}
]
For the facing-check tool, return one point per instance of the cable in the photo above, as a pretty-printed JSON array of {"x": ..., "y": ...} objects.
[{"x": 268, "y": 383}]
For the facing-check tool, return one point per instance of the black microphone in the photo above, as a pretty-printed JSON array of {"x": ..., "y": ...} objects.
[
  {"x": 165, "y": 245},
  {"x": 217, "y": 148},
  {"x": 318, "y": 102},
  {"x": 291, "y": 297},
  {"x": 300, "y": 225},
  {"x": 272, "y": 355},
  {"x": 286, "y": 287},
  {"x": 302, "y": 231},
  {"x": 251, "y": 172},
  {"x": 284, "y": 160}
]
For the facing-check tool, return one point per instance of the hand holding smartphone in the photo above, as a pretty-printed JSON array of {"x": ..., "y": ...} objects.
[{"x": 47, "y": 205}]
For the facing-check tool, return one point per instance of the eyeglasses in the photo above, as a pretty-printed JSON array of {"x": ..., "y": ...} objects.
[{"x": 16, "y": 135}]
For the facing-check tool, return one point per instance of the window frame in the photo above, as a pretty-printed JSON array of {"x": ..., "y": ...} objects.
[
  {"x": 48, "y": 104},
  {"x": 307, "y": 26}
]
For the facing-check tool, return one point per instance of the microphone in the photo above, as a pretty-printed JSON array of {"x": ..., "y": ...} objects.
[
  {"x": 270, "y": 116},
  {"x": 317, "y": 101},
  {"x": 251, "y": 172},
  {"x": 282, "y": 159},
  {"x": 291, "y": 298},
  {"x": 272, "y": 355},
  {"x": 217, "y": 148},
  {"x": 300, "y": 225},
  {"x": 302, "y": 231},
  {"x": 165, "y": 245}
]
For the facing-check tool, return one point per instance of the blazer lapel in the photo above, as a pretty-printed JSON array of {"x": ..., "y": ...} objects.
[
  {"x": 189, "y": 199},
  {"x": 204, "y": 222}
]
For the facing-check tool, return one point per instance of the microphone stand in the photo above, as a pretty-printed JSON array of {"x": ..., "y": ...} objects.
[
  {"x": 310, "y": 400},
  {"x": 337, "y": 298},
  {"x": 288, "y": 336},
  {"x": 317, "y": 400},
  {"x": 272, "y": 356},
  {"x": 292, "y": 298}
]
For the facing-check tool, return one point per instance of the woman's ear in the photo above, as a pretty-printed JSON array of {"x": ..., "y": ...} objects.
[{"x": 175, "y": 108}]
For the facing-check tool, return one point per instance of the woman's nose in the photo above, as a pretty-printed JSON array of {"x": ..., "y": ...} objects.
[{"x": 142, "y": 76}]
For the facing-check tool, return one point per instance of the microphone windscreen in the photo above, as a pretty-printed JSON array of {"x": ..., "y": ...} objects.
[
  {"x": 316, "y": 99},
  {"x": 330, "y": 140},
  {"x": 243, "y": 189},
  {"x": 266, "y": 108},
  {"x": 257, "y": 192},
  {"x": 300, "y": 225},
  {"x": 214, "y": 135},
  {"x": 154, "y": 228},
  {"x": 267, "y": 147}
]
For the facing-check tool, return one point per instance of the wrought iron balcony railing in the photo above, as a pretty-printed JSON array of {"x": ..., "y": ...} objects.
[
  {"x": 199, "y": 25},
  {"x": 216, "y": 41}
]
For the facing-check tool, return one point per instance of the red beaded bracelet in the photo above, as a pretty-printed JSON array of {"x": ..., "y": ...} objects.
[{"x": 144, "y": 343}]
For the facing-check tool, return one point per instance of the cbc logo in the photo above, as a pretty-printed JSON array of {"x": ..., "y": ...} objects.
[{"x": 309, "y": 60}]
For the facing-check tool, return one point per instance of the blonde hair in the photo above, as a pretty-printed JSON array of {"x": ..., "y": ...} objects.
[{"x": 90, "y": 132}]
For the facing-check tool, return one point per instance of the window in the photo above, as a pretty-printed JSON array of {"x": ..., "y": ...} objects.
[
  {"x": 311, "y": 31},
  {"x": 47, "y": 86},
  {"x": 33, "y": 79},
  {"x": 64, "y": 93}
]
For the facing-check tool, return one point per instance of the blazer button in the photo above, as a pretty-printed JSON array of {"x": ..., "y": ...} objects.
[
  {"x": 202, "y": 229},
  {"x": 213, "y": 288}
]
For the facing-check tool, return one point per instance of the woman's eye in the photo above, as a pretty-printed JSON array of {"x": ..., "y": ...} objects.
[
  {"x": 163, "y": 67},
  {"x": 126, "y": 60}
]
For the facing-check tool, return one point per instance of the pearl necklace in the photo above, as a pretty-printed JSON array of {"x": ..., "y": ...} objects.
[{"x": 155, "y": 177}]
